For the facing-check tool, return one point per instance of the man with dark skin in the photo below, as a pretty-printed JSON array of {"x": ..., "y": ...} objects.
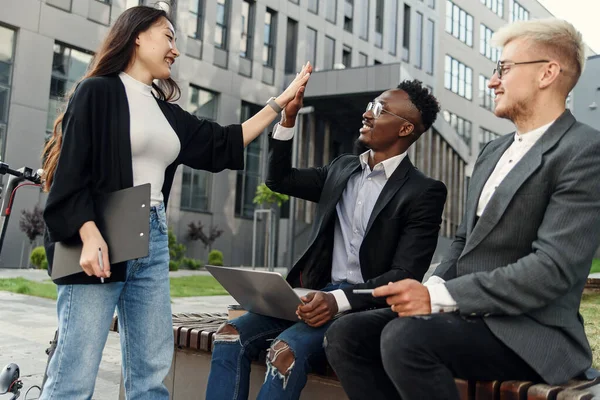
[{"x": 377, "y": 220}]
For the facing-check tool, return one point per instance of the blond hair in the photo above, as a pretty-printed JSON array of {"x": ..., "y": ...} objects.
[{"x": 557, "y": 37}]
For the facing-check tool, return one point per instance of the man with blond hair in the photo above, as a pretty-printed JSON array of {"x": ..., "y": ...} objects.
[{"x": 504, "y": 303}]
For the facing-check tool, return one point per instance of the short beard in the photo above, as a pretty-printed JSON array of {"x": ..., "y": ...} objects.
[
  {"x": 359, "y": 147},
  {"x": 518, "y": 111}
]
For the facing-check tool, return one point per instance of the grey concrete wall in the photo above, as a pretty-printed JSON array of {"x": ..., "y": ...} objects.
[{"x": 586, "y": 95}]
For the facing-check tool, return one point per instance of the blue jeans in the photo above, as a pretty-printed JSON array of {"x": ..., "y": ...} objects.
[
  {"x": 143, "y": 305},
  {"x": 229, "y": 377}
]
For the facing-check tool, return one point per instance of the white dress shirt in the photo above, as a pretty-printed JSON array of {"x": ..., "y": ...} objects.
[
  {"x": 353, "y": 212},
  {"x": 441, "y": 300}
]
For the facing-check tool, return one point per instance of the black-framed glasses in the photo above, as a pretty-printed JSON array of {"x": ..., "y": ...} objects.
[
  {"x": 377, "y": 108},
  {"x": 501, "y": 66}
]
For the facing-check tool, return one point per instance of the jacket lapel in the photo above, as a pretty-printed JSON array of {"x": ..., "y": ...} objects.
[
  {"x": 337, "y": 190},
  {"x": 480, "y": 176},
  {"x": 394, "y": 183},
  {"x": 124, "y": 136},
  {"x": 505, "y": 192}
]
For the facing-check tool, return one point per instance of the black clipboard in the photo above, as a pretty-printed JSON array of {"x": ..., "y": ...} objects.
[{"x": 123, "y": 220}]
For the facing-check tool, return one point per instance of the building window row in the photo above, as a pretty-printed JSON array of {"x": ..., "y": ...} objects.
[
  {"x": 459, "y": 23},
  {"x": 462, "y": 126},
  {"x": 485, "y": 43},
  {"x": 485, "y": 136},
  {"x": 486, "y": 95},
  {"x": 7, "y": 58},
  {"x": 497, "y": 6},
  {"x": 432, "y": 155},
  {"x": 458, "y": 78},
  {"x": 68, "y": 67},
  {"x": 518, "y": 12}
]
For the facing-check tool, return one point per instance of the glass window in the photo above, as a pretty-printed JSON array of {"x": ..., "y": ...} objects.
[
  {"x": 248, "y": 7},
  {"x": 486, "y": 136},
  {"x": 459, "y": 23},
  {"x": 311, "y": 46},
  {"x": 485, "y": 46},
  {"x": 379, "y": 23},
  {"x": 269, "y": 37},
  {"x": 195, "y": 189},
  {"x": 291, "y": 46},
  {"x": 329, "y": 53},
  {"x": 197, "y": 20},
  {"x": 486, "y": 95},
  {"x": 518, "y": 12},
  {"x": 68, "y": 67},
  {"x": 331, "y": 10},
  {"x": 347, "y": 56},
  {"x": 392, "y": 23},
  {"x": 497, "y": 6},
  {"x": 348, "y": 15},
  {"x": 7, "y": 51},
  {"x": 458, "y": 78},
  {"x": 364, "y": 6},
  {"x": 429, "y": 64},
  {"x": 313, "y": 6},
  {"x": 419, "y": 58},
  {"x": 362, "y": 60},
  {"x": 222, "y": 24},
  {"x": 250, "y": 177},
  {"x": 461, "y": 125}
]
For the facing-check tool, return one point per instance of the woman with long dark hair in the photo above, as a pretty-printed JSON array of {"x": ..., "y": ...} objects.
[{"x": 121, "y": 129}]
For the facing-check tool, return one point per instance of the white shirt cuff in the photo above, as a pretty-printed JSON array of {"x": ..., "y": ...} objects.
[
  {"x": 341, "y": 300},
  {"x": 283, "y": 133},
  {"x": 440, "y": 297}
]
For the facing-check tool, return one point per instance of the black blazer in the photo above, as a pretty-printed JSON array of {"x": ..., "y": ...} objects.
[
  {"x": 96, "y": 159},
  {"x": 401, "y": 234}
]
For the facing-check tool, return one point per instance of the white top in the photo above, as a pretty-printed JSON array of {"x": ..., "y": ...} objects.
[
  {"x": 353, "y": 211},
  {"x": 441, "y": 299},
  {"x": 521, "y": 145},
  {"x": 154, "y": 143}
]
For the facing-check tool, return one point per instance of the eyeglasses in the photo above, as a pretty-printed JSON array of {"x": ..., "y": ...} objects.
[
  {"x": 377, "y": 108},
  {"x": 501, "y": 66}
]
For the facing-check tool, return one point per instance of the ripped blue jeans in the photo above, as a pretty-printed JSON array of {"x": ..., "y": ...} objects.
[{"x": 232, "y": 356}]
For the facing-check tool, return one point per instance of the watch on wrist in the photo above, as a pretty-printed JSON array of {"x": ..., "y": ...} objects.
[{"x": 273, "y": 104}]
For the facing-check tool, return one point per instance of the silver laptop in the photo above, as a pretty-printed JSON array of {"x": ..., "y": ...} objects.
[{"x": 261, "y": 292}]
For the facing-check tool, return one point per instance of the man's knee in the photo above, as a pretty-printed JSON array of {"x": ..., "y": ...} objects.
[
  {"x": 281, "y": 357},
  {"x": 226, "y": 333},
  {"x": 404, "y": 338},
  {"x": 337, "y": 334}
]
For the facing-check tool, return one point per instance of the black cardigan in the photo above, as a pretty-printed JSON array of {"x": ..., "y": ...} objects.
[{"x": 96, "y": 159}]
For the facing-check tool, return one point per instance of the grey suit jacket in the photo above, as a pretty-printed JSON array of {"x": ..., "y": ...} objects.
[{"x": 523, "y": 266}]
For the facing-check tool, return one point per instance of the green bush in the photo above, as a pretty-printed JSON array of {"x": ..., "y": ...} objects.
[
  {"x": 44, "y": 265},
  {"x": 38, "y": 257},
  {"x": 173, "y": 266},
  {"x": 176, "y": 249},
  {"x": 215, "y": 257},
  {"x": 190, "y": 263}
]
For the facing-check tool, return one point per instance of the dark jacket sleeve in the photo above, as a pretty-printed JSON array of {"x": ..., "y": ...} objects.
[
  {"x": 70, "y": 202},
  {"x": 305, "y": 183},
  {"x": 209, "y": 146},
  {"x": 415, "y": 247}
]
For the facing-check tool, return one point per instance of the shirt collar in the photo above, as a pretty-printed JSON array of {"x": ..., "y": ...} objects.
[
  {"x": 532, "y": 136},
  {"x": 389, "y": 165}
]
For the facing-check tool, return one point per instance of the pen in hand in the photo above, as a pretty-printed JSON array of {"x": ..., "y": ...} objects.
[{"x": 100, "y": 262}]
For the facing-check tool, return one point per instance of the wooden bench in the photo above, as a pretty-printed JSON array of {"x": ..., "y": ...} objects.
[{"x": 194, "y": 335}]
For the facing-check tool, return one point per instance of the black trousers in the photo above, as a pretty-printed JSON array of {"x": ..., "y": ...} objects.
[{"x": 378, "y": 355}]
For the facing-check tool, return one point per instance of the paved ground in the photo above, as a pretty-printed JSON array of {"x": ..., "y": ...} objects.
[{"x": 28, "y": 324}]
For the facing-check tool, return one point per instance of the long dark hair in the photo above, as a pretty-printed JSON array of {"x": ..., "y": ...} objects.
[{"x": 112, "y": 57}]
